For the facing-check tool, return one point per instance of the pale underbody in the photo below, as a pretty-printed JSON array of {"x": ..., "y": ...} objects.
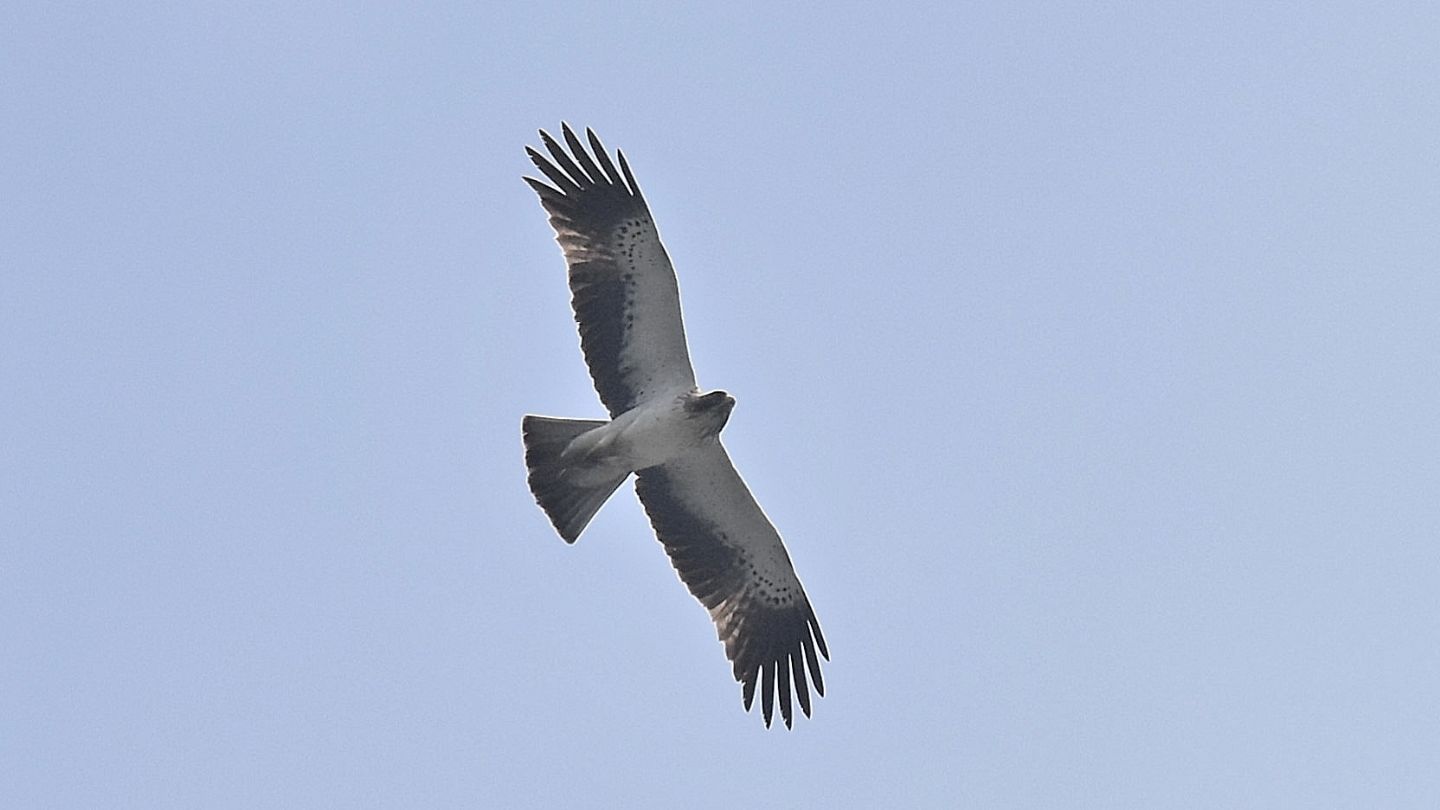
[{"x": 645, "y": 436}]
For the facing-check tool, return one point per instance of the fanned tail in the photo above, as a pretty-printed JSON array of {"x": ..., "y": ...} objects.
[{"x": 569, "y": 498}]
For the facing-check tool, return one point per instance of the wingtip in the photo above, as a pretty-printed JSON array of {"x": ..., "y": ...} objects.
[
  {"x": 819, "y": 636},
  {"x": 548, "y": 194},
  {"x": 629, "y": 178},
  {"x": 594, "y": 140}
]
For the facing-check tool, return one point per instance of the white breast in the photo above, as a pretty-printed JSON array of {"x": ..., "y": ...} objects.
[{"x": 656, "y": 432}]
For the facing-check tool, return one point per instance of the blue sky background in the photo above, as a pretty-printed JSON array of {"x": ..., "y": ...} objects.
[{"x": 1086, "y": 357}]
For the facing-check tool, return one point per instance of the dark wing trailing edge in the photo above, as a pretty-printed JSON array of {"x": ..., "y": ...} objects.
[
  {"x": 622, "y": 285},
  {"x": 731, "y": 558}
]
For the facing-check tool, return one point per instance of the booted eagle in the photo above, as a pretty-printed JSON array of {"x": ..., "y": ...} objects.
[{"x": 663, "y": 429}]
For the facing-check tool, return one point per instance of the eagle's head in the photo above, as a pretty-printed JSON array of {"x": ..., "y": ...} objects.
[{"x": 713, "y": 407}]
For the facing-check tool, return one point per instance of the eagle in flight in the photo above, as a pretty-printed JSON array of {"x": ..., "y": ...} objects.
[{"x": 663, "y": 429}]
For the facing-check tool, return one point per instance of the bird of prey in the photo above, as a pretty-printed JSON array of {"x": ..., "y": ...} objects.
[{"x": 663, "y": 429}]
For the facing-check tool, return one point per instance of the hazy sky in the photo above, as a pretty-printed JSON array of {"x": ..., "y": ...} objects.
[{"x": 1087, "y": 357}]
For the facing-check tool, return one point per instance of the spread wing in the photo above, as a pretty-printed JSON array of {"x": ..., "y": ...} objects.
[
  {"x": 622, "y": 286},
  {"x": 730, "y": 556}
]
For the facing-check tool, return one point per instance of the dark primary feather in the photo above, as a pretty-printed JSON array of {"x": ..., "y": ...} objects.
[
  {"x": 733, "y": 561},
  {"x": 623, "y": 289}
]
